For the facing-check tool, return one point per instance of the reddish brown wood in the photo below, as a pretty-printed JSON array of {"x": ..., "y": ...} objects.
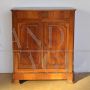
[{"x": 51, "y": 49}]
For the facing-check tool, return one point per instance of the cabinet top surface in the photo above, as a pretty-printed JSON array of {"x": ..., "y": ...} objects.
[{"x": 43, "y": 8}]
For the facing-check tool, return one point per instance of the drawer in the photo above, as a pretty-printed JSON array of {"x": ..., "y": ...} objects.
[
  {"x": 26, "y": 14},
  {"x": 59, "y": 14},
  {"x": 54, "y": 14}
]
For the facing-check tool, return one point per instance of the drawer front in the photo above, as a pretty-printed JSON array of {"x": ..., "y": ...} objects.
[
  {"x": 54, "y": 14},
  {"x": 46, "y": 14},
  {"x": 59, "y": 14},
  {"x": 26, "y": 14}
]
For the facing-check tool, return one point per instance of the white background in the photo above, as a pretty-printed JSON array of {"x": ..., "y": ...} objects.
[{"x": 82, "y": 30}]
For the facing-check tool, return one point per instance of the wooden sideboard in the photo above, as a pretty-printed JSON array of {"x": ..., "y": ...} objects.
[{"x": 43, "y": 43}]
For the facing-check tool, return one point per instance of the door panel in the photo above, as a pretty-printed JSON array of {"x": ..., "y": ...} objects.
[
  {"x": 54, "y": 60},
  {"x": 55, "y": 43},
  {"x": 30, "y": 37},
  {"x": 30, "y": 60}
]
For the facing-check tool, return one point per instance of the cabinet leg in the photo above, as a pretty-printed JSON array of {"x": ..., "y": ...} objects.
[
  {"x": 70, "y": 78},
  {"x": 15, "y": 81}
]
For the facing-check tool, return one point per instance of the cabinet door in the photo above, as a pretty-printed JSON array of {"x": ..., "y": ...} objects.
[
  {"x": 55, "y": 45},
  {"x": 30, "y": 36}
]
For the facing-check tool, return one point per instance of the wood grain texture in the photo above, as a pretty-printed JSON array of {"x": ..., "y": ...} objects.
[{"x": 43, "y": 44}]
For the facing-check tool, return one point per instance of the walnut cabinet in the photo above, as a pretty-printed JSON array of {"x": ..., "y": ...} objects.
[{"x": 43, "y": 43}]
